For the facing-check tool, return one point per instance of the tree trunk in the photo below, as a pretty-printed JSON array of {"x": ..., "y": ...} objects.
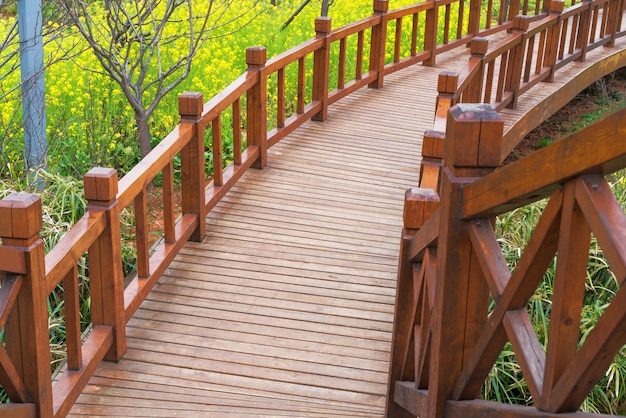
[{"x": 144, "y": 133}]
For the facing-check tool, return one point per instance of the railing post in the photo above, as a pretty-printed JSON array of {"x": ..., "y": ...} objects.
[
  {"x": 433, "y": 140},
  {"x": 379, "y": 44},
  {"x": 321, "y": 67},
  {"x": 582, "y": 41},
  {"x": 472, "y": 149},
  {"x": 516, "y": 60},
  {"x": 190, "y": 106},
  {"x": 256, "y": 57},
  {"x": 431, "y": 29},
  {"x": 26, "y": 330},
  {"x": 106, "y": 278},
  {"x": 478, "y": 50},
  {"x": 552, "y": 42},
  {"x": 419, "y": 206}
]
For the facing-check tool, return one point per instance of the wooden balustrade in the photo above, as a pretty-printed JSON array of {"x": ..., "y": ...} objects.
[
  {"x": 28, "y": 277},
  {"x": 500, "y": 72},
  {"x": 451, "y": 268}
]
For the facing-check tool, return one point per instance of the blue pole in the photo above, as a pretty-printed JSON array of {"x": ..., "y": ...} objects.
[{"x": 33, "y": 94}]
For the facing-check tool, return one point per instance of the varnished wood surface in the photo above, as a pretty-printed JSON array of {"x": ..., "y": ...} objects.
[{"x": 286, "y": 308}]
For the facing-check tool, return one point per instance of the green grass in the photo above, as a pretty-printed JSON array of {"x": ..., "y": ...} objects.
[{"x": 506, "y": 382}]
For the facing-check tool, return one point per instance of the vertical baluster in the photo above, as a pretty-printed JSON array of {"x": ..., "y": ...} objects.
[
  {"x": 489, "y": 82},
  {"x": 341, "y": 76},
  {"x": 489, "y": 13},
  {"x": 563, "y": 42},
  {"x": 459, "y": 26},
  {"x": 414, "y": 34},
  {"x": 168, "y": 203},
  {"x": 446, "y": 25},
  {"x": 543, "y": 38},
  {"x": 301, "y": 85},
  {"x": 216, "y": 130},
  {"x": 513, "y": 9},
  {"x": 529, "y": 59},
  {"x": 71, "y": 311},
  {"x": 504, "y": 59},
  {"x": 280, "y": 106},
  {"x": 594, "y": 17},
  {"x": 359, "y": 55},
  {"x": 398, "y": 40},
  {"x": 141, "y": 234},
  {"x": 237, "y": 132},
  {"x": 605, "y": 20},
  {"x": 501, "y": 15},
  {"x": 574, "y": 34}
]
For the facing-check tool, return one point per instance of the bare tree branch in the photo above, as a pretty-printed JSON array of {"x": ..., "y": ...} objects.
[{"x": 146, "y": 46}]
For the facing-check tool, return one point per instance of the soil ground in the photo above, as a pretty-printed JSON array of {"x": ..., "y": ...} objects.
[{"x": 605, "y": 96}]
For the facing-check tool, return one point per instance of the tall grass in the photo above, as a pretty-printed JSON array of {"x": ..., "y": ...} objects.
[{"x": 505, "y": 382}]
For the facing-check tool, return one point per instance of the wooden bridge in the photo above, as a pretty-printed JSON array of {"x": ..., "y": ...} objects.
[{"x": 274, "y": 293}]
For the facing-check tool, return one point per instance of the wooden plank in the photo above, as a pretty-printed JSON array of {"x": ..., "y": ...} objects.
[{"x": 296, "y": 277}]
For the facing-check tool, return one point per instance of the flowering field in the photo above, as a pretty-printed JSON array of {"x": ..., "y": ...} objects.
[{"x": 89, "y": 121}]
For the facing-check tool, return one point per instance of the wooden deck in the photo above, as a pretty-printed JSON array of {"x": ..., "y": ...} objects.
[{"x": 286, "y": 307}]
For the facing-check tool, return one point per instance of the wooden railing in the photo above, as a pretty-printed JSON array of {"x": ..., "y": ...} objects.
[
  {"x": 501, "y": 72},
  {"x": 446, "y": 336},
  {"x": 28, "y": 276}
]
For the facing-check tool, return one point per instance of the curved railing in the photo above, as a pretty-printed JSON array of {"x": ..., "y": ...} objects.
[
  {"x": 28, "y": 276},
  {"x": 499, "y": 72}
]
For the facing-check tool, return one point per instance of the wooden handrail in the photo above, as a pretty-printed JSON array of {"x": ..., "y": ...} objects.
[
  {"x": 455, "y": 255},
  {"x": 98, "y": 232},
  {"x": 535, "y": 50}
]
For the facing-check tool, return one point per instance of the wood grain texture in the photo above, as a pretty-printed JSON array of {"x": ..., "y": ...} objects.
[{"x": 286, "y": 308}]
